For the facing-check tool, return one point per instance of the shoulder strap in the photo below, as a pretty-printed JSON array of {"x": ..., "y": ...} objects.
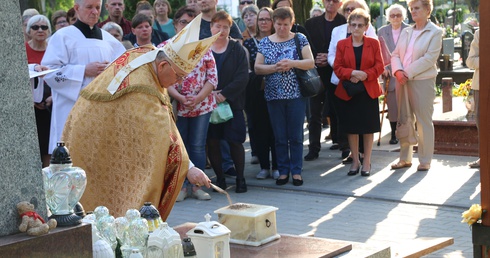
[
  {"x": 406, "y": 102},
  {"x": 256, "y": 43},
  {"x": 298, "y": 49}
]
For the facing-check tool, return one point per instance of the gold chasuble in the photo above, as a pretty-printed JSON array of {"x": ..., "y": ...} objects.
[{"x": 127, "y": 142}]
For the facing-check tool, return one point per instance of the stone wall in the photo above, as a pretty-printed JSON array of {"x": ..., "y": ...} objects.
[{"x": 20, "y": 173}]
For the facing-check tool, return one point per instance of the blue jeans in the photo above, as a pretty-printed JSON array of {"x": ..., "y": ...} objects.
[
  {"x": 194, "y": 131},
  {"x": 287, "y": 118}
]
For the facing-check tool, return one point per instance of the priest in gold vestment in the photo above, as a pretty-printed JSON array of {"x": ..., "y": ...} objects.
[{"x": 121, "y": 130}]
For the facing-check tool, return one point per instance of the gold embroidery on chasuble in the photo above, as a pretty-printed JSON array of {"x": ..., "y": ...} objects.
[{"x": 127, "y": 143}]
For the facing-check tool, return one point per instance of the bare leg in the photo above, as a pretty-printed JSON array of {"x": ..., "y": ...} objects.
[
  {"x": 354, "y": 148},
  {"x": 368, "y": 147}
]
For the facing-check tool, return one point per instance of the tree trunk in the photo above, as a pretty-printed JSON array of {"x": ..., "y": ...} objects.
[
  {"x": 302, "y": 10},
  {"x": 26, "y": 4}
]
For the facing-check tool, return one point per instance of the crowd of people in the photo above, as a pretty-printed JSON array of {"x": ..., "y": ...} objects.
[{"x": 251, "y": 68}]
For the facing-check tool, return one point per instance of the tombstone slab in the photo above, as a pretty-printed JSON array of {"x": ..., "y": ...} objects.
[{"x": 21, "y": 178}]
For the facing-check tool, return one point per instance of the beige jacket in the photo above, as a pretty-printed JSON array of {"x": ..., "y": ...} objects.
[
  {"x": 473, "y": 60},
  {"x": 427, "y": 49}
]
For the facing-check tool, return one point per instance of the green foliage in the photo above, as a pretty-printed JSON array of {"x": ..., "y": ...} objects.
[{"x": 374, "y": 10}]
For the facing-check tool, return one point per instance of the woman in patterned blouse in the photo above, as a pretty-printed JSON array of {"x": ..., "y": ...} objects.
[{"x": 276, "y": 59}]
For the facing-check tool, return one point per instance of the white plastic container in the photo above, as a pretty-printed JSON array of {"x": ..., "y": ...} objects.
[{"x": 211, "y": 239}]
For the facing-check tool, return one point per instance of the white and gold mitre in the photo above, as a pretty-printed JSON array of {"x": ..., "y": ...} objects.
[{"x": 184, "y": 49}]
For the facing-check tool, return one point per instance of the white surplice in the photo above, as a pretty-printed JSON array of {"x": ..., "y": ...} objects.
[{"x": 70, "y": 51}]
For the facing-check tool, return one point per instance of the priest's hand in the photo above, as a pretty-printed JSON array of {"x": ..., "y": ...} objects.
[
  {"x": 95, "y": 68},
  {"x": 198, "y": 178}
]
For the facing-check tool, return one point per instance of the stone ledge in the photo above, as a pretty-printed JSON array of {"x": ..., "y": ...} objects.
[
  {"x": 59, "y": 242},
  {"x": 456, "y": 138}
]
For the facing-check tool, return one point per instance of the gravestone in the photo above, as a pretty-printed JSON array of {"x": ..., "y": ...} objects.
[
  {"x": 467, "y": 38},
  {"x": 20, "y": 176}
]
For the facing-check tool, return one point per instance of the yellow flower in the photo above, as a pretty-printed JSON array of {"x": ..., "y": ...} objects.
[{"x": 472, "y": 215}]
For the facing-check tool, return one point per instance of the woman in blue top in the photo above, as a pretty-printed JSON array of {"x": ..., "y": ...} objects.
[
  {"x": 276, "y": 59},
  {"x": 162, "y": 22}
]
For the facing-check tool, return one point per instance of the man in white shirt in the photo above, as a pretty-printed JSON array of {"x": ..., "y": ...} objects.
[{"x": 80, "y": 52}]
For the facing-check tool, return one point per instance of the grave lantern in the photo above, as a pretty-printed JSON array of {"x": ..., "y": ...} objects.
[
  {"x": 64, "y": 186},
  {"x": 211, "y": 239}
]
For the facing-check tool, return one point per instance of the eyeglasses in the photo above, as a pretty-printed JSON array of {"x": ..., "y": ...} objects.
[
  {"x": 183, "y": 22},
  {"x": 179, "y": 78},
  {"x": 246, "y": 2},
  {"x": 265, "y": 19},
  {"x": 357, "y": 25},
  {"x": 61, "y": 22},
  {"x": 395, "y": 15},
  {"x": 349, "y": 9},
  {"x": 36, "y": 27},
  {"x": 333, "y": 1}
]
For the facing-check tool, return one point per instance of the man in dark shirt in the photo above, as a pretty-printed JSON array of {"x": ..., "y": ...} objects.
[
  {"x": 320, "y": 30},
  {"x": 116, "y": 9}
]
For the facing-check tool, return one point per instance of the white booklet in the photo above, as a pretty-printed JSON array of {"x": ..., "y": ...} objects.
[{"x": 33, "y": 74}]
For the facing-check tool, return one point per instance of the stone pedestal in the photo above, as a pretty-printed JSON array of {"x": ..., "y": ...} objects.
[
  {"x": 447, "y": 94},
  {"x": 456, "y": 138},
  {"x": 59, "y": 242}
]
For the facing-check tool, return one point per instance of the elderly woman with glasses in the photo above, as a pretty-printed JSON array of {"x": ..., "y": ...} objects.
[
  {"x": 391, "y": 33},
  {"x": 59, "y": 19},
  {"x": 39, "y": 29},
  {"x": 256, "y": 106},
  {"x": 339, "y": 33},
  {"x": 413, "y": 63},
  {"x": 358, "y": 63}
]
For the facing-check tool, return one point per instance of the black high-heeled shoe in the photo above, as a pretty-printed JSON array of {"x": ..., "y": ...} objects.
[
  {"x": 282, "y": 181},
  {"x": 366, "y": 173},
  {"x": 354, "y": 172},
  {"x": 241, "y": 185}
]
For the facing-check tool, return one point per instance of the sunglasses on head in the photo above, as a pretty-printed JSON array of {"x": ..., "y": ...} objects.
[
  {"x": 349, "y": 9},
  {"x": 36, "y": 27},
  {"x": 246, "y": 2}
]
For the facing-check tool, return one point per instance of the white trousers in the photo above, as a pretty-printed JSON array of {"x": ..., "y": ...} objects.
[{"x": 421, "y": 95}]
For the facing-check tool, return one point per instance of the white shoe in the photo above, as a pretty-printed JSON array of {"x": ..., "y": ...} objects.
[
  {"x": 182, "y": 195},
  {"x": 263, "y": 174},
  {"x": 275, "y": 174},
  {"x": 201, "y": 195}
]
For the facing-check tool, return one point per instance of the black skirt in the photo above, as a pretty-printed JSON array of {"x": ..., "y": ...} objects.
[
  {"x": 359, "y": 115},
  {"x": 233, "y": 130}
]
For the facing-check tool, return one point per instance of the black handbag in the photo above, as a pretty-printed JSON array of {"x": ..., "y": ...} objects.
[
  {"x": 353, "y": 88},
  {"x": 309, "y": 81}
]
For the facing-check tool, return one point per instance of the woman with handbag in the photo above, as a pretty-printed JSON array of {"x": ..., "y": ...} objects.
[
  {"x": 276, "y": 59},
  {"x": 231, "y": 63},
  {"x": 396, "y": 13},
  {"x": 358, "y": 64},
  {"x": 339, "y": 33},
  {"x": 413, "y": 63}
]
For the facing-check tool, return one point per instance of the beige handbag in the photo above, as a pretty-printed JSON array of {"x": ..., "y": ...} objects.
[{"x": 405, "y": 131}]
